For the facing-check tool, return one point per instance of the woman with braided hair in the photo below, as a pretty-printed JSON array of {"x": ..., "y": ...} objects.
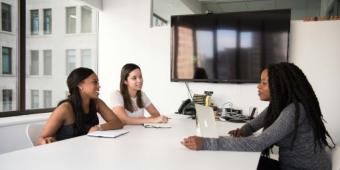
[
  {"x": 77, "y": 115},
  {"x": 293, "y": 121}
]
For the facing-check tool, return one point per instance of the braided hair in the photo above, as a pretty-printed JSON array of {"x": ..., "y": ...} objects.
[{"x": 288, "y": 84}]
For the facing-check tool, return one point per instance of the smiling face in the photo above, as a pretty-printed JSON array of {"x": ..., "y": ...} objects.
[
  {"x": 263, "y": 86},
  {"x": 90, "y": 86},
  {"x": 134, "y": 80}
]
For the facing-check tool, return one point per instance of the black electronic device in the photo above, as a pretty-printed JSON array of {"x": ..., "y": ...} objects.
[
  {"x": 187, "y": 108},
  {"x": 228, "y": 47}
]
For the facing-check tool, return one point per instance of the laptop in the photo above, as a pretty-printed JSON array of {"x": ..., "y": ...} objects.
[{"x": 206, "y": 124}]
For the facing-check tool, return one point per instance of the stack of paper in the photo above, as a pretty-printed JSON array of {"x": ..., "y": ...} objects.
[
  {"x": 108, "y": 133},
  {"x": 156, "y": 125}
]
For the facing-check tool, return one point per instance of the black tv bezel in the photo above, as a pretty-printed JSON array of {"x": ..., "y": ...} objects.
[{"x": 231, "y": 81}]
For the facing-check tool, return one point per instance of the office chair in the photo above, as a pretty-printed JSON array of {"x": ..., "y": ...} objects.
[
  {"x": 33, "y": 131},
  {"x": 336, "y": 158}
]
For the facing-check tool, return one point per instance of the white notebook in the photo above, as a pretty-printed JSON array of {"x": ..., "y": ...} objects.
[
  {"x": 156, "y": 125},
  {"x": 108, "y": 133}
]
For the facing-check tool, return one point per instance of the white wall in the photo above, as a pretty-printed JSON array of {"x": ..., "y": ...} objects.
[
  {"x": 125, "y": 36},
  {"x": 315, "y": 48}
]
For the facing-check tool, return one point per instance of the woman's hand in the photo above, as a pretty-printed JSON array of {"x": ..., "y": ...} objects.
[
  {"x": 160, "y": 119},
  {"x": 236, "y": 133},
  {"x": 95, "y": 128},
  {"x": 46, "y": 140},
  {"x": 193, "y": 142}
]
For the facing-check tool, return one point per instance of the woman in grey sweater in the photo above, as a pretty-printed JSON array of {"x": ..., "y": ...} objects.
[{"x": 292, "y": 121}]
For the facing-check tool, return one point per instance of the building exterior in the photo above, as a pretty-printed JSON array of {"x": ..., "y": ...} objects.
[{"x": 60, "y": 35}]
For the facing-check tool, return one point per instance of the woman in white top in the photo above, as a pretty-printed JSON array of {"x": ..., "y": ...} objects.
[{"x": 129, "y": 103}]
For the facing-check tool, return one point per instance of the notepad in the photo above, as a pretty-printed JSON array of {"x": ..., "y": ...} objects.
[
  {"x": 156, "y": 125},
  {"x": 108, "y": 133}
]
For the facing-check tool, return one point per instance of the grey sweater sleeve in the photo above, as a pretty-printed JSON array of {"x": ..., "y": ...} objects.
[
  {"x": 254, "y": 125},
  {"x": 283, "y": 125}
]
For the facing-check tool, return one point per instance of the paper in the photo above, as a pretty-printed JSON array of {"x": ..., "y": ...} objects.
[
  {"x": 156, "y": 125},
  {"x": 108, "y": 133}
]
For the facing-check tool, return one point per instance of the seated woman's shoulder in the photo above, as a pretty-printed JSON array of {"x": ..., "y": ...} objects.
[{"x": 65, "y": 106}]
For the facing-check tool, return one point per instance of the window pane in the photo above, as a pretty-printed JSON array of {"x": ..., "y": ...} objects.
[
  {"x": 6, "y": 60},
  {"x": 70, "y": 60},
  {"x": 86, "y": 58},
  {"x": 57, "y": 53},
  {"x": 47, "y": 98},
  {"x": 48, "y": 62},
  {"x": 34, "y": 66},
  {"x": 7, "y": 100},
  {"x": 6, "y": 17},
  {"x": 71, "y": 19},
  {"x": 86, "y": 19},
  {"x": 47, "y": 21},
  {"x": 8, "y": 55},
  {"x": 34, "y": 99},
  {"x": 34, "y": 22}
]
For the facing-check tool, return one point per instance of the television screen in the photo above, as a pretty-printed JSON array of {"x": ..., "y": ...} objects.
[{"x": 228, "y": 47}]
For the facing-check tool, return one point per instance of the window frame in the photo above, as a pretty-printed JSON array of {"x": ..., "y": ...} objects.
[
  {"x": 10, "y": 17},
  {"x": 21, "y": 69}
]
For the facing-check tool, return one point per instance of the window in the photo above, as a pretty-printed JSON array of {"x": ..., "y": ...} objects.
[
  {"x": 7, "y": 100},
  {"x": 6, "y": 17},
  {"x": 86, "y": 19},
  {"x": 70, "y": 61},
  {"x": 86, "y": 58},
  {"x": 47, "y": 98},
  {"x": 34, "y": 22},
  {"x": 47, "y": 21},
  {"x": 44, "y": 57},
  {"x": 34, "y": 99},
  {"x": 34, "y": 66},
  {"x": 71, "y": 20},
  {"x": 6, "y": 60},
  {"x": 47, "y": 62}
]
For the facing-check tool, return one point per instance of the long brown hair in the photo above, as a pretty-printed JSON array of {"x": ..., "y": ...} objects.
[{"x": 126, "y": 70}]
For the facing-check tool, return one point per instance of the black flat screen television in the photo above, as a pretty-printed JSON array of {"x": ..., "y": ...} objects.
[{"x": 228, "y": 47}]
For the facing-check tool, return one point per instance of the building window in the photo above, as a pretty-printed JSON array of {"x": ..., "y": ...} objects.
[
  {"x": 47, "y": 98},
  {"x": 47, "y": 62},
  {"x": 6, "y": 17},
  {"x": 86, "y": 19},
  {"x": 35, "y": 22},
  {"x": 71, "y": 20},
  {"x": 47, "y": 21},
  {"x": 86, "y": 59},
  {"x": 6, "y": 60},
  {"x": 34, "y": 99},
  {"x": 7, "y": 100},
  {"x": 34, "y": 65},
  {"x": 70, "y": 61}
]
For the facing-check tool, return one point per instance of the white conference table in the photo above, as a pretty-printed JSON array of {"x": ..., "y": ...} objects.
[{"x": 141, "y": 148}]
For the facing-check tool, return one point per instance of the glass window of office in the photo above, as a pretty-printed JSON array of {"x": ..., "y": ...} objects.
[
  {"x": 34, "y": 62},
  {"x": 35, "y": 22},
  {"x": 71, "y": 20},
  {"x": 86, "y": 19},
  {"x": 47, "y": 98},
  {"x": 70, "y": 61},
  {"x": 6, "y": 60},
  {"x": 47, "y": 62},
  {"x": 6, "y": 17},
  {"x": 47, "y": 21},
  {"x": 34, "y": 99},
  {"x": 86, "y": 59},
  {"x": 7, "y": 99},
  {"x": 45, "y": 56}
]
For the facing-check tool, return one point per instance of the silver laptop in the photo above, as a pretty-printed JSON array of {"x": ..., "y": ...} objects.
[{"x": 206, "y": 124}]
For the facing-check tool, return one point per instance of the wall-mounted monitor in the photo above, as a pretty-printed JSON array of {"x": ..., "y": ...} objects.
[{"x": 228, "y": 47}]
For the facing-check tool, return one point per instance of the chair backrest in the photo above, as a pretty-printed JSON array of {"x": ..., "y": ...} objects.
[
  {"x": 33, "y": 131},
  {"x": 336, "y": 158}
]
